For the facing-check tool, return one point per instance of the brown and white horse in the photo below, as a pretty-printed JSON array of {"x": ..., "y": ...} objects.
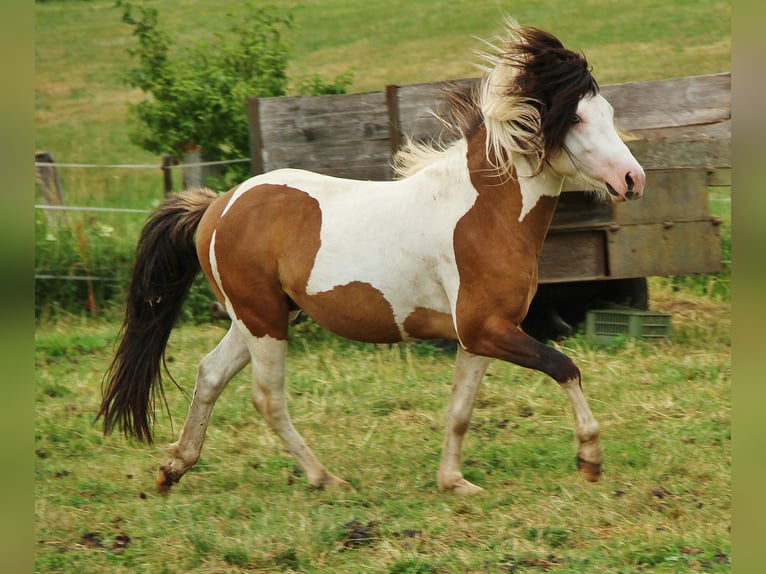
[{"x": 449, "y": 250}]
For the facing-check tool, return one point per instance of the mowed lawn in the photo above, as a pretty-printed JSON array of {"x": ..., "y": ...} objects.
[{"x": 376, "y": 415}]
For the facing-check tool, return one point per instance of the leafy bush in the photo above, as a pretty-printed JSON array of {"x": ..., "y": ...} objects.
[
  {"x": 315, "y": 85},
  {"x": 71, "y": 251},
  {"x": 199, "y": 96}
]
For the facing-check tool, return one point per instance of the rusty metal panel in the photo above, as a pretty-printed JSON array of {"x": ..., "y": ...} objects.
[
  {"x": 664, "y": 249},
  {"x": 669, "y": 195},
  {"x": 573, "y": 256}
]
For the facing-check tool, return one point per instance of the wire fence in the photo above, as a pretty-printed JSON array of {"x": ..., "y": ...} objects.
[
  {"x": 49, "y": 179},
  {"x": 139, "y": 166}
]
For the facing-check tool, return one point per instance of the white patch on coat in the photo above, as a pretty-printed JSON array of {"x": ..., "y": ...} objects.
[
  {"x": 217, "y": 278},
  {"x": 533, "y": 188}
]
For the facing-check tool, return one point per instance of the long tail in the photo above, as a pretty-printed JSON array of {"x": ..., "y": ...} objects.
[{"x": 165, "y": 267}]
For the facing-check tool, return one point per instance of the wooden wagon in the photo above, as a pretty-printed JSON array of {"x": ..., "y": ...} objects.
[{"x": 595, "y": 252}]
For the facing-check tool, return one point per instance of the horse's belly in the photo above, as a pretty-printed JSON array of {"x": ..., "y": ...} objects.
[{"x": 363, "y": 312}]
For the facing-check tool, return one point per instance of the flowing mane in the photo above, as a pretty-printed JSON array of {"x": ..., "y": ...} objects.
[{"x": 526, "y": 101}]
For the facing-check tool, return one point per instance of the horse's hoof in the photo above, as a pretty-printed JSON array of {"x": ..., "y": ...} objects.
[
  {"x": 332, "y": 482},
  {"x": 590, "y": 470},
  {"x": 462, "y": 487},
  {"x": 165, "y": 479}
]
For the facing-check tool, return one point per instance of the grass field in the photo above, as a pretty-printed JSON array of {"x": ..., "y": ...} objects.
[{"x": 375, "y": 415}]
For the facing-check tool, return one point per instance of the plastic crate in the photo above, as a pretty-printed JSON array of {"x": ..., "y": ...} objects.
[{"x": 604, "y": 325}]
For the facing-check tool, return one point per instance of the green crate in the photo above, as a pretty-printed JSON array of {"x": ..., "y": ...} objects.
[{"x": 604, "y": 325}]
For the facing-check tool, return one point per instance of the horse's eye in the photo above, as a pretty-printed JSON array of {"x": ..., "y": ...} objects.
[{"x": 575, "y": 119}]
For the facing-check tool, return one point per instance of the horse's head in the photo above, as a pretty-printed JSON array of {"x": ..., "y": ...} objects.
[
  {"x": 541, "y": 102},
  {"x": 595, "y": 154}
]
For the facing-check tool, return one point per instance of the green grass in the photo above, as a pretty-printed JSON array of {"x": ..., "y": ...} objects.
[{"x": 375, "y": 416}]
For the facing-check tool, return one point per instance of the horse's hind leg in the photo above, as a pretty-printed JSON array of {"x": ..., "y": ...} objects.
[
  {"x": 268, "y": 356},
  {"x": 214, "y": 372}
]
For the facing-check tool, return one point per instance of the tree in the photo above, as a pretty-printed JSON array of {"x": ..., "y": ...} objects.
[{"x": 198, "y": 97}]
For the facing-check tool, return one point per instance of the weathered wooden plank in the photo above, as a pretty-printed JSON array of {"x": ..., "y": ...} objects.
[
  {"x": 573, "y": 256},
  {"x": 360, "y": 159},
  {"x": 321, "y": 118},
  {"x": 669, "y": 196},
  {"x": 681, "y": 122},
  {"x": 255, "y": 134},
  {"x": 682, "y": 152},
  {"x": 421, "y": 105},
  {"x": 582, "y": 209},
  {"x": 664, "y": 249},
  {"x": 675, "y": 102},
  {"x": 341, "y": 135}
]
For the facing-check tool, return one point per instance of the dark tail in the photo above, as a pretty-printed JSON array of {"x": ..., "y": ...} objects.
[{"x": 166, "y": 265}]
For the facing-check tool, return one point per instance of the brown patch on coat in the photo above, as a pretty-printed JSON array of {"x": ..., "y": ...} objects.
[
  {"x": 264, "y": 247},
  {"x": 429, "y": 324},
  {"x": 498, "y": 265},
  {"x": 204, "y": 235},
  {"x": 355, "y": 311}
]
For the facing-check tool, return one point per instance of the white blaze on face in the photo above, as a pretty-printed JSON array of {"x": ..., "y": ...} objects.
[
  {"x": 597, "y": 156},
  {"x": 594, "y": 146}
]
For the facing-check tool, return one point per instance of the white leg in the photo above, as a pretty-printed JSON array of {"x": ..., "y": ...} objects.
[
  {"x": 589, "y": 454},
  {"x": 268, "y": 355},
  {"x": 469, "y": 370},
  {"x": 213, "y": 374}
]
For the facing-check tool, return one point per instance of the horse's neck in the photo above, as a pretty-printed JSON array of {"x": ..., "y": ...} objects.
[{"x": 519, "y": 203}]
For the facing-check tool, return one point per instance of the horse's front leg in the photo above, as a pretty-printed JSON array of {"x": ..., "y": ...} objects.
[
  {"x": 469, "y": 370},
  {"x": 214, "y": 372},
  {"x": 503, "y": 340}
]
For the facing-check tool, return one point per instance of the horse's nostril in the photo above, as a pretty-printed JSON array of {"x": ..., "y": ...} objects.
[{"x": 629, "y": 181}]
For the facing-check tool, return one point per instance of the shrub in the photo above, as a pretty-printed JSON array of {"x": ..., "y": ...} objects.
[{"x": 198, "y": 97}]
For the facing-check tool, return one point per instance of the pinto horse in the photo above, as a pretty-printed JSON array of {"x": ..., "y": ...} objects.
[{"x": 448, "y": 250}]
